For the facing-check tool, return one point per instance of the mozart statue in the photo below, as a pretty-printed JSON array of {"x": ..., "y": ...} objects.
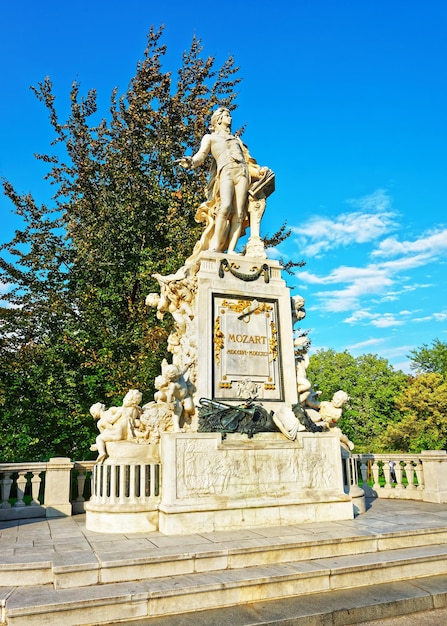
[{"x": 236, "y": 181}]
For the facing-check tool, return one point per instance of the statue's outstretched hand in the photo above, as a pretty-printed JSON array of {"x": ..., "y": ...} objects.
[{"x": 185, "y": 162}]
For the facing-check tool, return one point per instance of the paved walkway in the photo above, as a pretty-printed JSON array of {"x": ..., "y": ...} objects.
[
  {"x": 63, "y": 540},
  {"x": 66, "y": 541}
]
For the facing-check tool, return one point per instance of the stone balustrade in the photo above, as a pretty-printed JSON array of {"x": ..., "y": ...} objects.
[
  {"x": 124, "y": 496},
  {"x": 62, "y": 487},
  {"x": 132, "y": 484},
  {"x": 404, "y": 476},
  {"x": 51, "y": 489}
]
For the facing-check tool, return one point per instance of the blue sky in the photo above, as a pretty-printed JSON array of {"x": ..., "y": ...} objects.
[{"x": 345, "y": 100}]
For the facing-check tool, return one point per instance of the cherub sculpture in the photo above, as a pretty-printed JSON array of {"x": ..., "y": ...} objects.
[
  {"x": 329, "y": 413},
  {"x": 118, "y": 423},
  {"x": 173, "y": 390}
]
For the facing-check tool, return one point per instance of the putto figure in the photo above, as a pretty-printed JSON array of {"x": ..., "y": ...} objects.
[
  {"x": 235, "y": 178},
  {"x": 118, "y": 423}
]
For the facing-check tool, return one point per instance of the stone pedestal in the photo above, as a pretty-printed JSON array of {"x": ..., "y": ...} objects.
[
  {"x": 57, "y": 487},
  {"x": 244, "y": 325},
  {"x": 210, "y": 484},
  {"x": 435, "y": 475},
  {"x": 125, "y": 490}
]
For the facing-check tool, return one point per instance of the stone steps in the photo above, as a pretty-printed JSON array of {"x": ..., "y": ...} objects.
[
  {"x": 356, "y": 579},
  {"x": 406, "y": 603},
  {"x": 83, "y": 568}
]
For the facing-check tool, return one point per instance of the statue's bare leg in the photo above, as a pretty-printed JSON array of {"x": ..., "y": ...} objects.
[
  {"x": 240, "y": 198},
  {"x": 226, "y": 189},
  {"x": 101, "y": 447}
]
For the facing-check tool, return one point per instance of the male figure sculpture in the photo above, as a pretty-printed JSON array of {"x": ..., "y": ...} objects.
[{"x": 231, "y": 176}]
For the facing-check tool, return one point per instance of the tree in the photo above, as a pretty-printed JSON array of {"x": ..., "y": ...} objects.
[
  {"x": 423, "y": 423},
  {"x": 74, "y": 328},
  {"x": 372, "y": 385},
  {"x": 430, "y": 359}
]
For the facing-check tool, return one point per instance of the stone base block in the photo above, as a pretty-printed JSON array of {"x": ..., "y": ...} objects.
[
  {"x": 129, "y": 452},
  {"x": 212, "y": 485},
  {"x": 175, "y": 522},
  {"x": 108, "y": 520}
]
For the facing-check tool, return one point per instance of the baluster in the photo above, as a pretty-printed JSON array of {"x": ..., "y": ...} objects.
[
  {"x": 387, "y": 474},
  {"x": 420, "y": 475},
  {"x": 122, "y": 484},
  {"x": 156, "y": 479},
  {"x": 364, "y": 473},
  {"x": 21, "y": 486},
  {"x": 35, "y": 487},
  {"x": 94, "y": 483},
  {"x": 409, "y": 472},
  {"x": 150, "y": 479},
  {"x": 132, "y": 484},
  {"x": 6, "y": 483},
  {"x": 104, "y": 483},
  {"x": 113, "y": 483},
  {"x": 375, "y": 471},
  {"x": 99, "y": 484},
  {"x": 399, "y": 473},
  {"x": 80, "y": 483},
  {"x": 351, "y": 473},
  {"x": 143, "y": 470}
]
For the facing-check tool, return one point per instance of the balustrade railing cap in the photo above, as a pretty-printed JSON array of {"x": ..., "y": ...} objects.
[{"x": 442, "y": 453}]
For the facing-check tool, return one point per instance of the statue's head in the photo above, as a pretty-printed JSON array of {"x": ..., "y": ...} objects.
[
  {"x": 132, "y": 398},
  {"x": 298, "y": 302},
  {"x": 171, "y": 373},
  {"x": 152, "y": 299},
  {"x": 339, "y": 398},
  {"x": 216, "y": 117},
  {"x": 97, "y": 409}
]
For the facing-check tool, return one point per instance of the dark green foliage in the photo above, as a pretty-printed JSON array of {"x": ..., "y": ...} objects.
[{"x": 74, "y": 327}]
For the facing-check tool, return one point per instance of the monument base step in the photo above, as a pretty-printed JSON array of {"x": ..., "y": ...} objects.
[
  {"x": 349, "y": 589},
  {"x": 420, "y": 602}
]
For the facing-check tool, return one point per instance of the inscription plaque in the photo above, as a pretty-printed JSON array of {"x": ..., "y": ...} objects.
[{"x": 246, "y": 349}]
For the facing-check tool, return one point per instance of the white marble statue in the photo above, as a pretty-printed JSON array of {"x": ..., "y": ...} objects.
[
  {"x": 328, "y": 414},
  {"x": 176, "y": 296},
  {"x": 118, "y": 423},
  {"x": 287, "y": 422},
  {"x": 298, "y": 311},
  {"x": 173, "y": 391},
  {"x": 235, "y": 179},
  {"x": 156, "y": 418},
  {"x": 306, "y": 395}
]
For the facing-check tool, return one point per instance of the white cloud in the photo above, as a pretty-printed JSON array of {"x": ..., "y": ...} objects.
[
  {"x": 364, "y": 344},
  {"x": 379, "y": 320},
  {"x": 429, "y": 245},
  {"x": 434, "y": 317},
  {"x": 405, "y": 263},
  {"x": 377, "y": 279},
  {"x": 386, "y": 320},
  {"x": 377, "y": 201},
  {"x": 358, "y": 317},
  {"x": 356, "y": 289},
  {"x": 370, "y": 280},
  {"x": 373, "y": 220}
]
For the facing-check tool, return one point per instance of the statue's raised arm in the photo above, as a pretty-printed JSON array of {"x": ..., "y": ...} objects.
[{"x": 236, "y": 190}]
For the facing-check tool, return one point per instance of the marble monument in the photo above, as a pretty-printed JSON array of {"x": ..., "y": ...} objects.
[{"x": 235, "y": 435}]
